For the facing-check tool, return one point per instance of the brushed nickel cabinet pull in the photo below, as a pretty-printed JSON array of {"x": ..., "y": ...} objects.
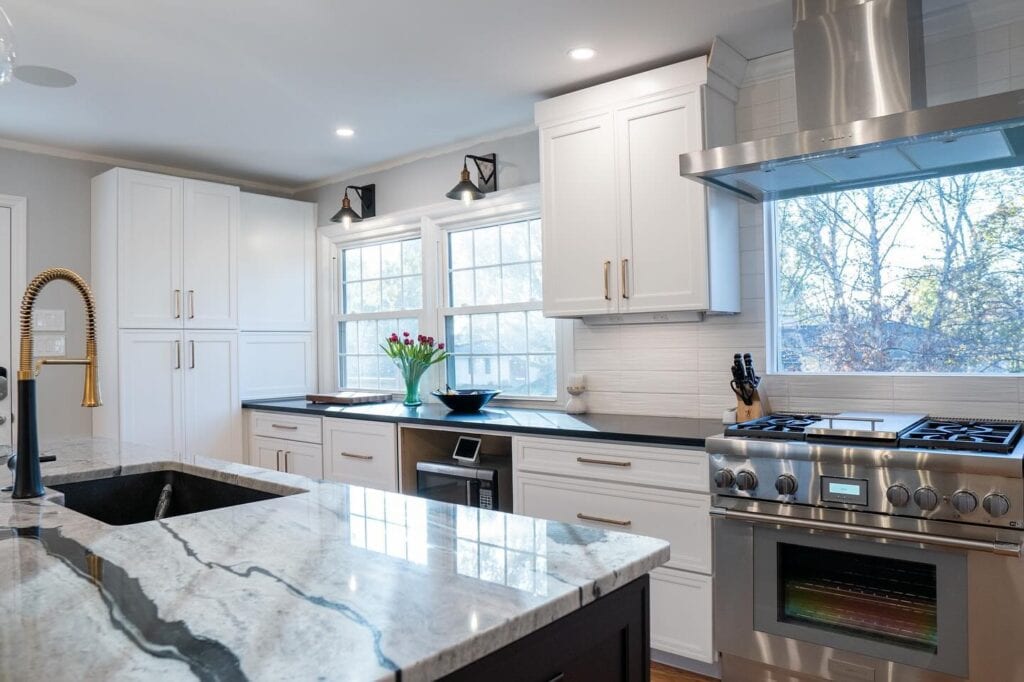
[
  {"x": 191, "y": 304},
  {"x": 607, "y": 284},
  {"x": 278, "y": 463},
  {"x": 192, "y": 347},
  {"x": 177, "y": 355},
  {"x": 177, "y": 304},
  {"x": 288, "y": 427},
  {"x": 355, "y": 456},
  {"x": 625, "y": 283},
  {"x": 286, "y": 453},
  {"x": 601, "y": 519},
  {"x": 606, "y": 462}
]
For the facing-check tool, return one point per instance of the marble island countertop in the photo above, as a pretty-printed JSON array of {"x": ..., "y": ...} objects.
[{"x": 337, "y": 582}]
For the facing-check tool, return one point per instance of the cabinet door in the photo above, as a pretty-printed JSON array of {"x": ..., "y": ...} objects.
[
  {"x": 580, "y": 241},
  {"x": 664, "y": 254},
  {"x": 303, "y": 459},
  {"x": 273, "y": 364},
  {"x": 150, "y": 389},
  {"x": 276, "y": 263},
  {"x": 149, "y": 250},
  {"x": 266, "y": 452},
  {"x": 681, "y": 614},
  {"x": 213, "y": 410},
  {"x": 211, "y": 255}
]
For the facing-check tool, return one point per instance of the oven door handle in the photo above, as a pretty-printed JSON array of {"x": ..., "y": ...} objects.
[{"x": 1001, "y": 548}]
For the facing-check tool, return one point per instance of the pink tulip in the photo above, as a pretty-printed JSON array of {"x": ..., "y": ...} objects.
[
  {"x": 405, "y": 334},
  {"x": 440, "y": 346}
]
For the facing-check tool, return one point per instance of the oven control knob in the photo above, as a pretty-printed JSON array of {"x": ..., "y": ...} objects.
[
  {"x": 786, "y": 484},
  {"x": 724, "y": 478},
  {"x": 746, "y": 480},
  {"x": 964, "y": 501},
  {"x": 926, "y": 498},
  {"x": 996, "y": 505},
  {"x": 898, "y": 495}
]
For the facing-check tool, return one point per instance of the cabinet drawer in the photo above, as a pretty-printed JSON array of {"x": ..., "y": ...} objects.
[
  {"x": 361, "y": 453},
  {"x": 681, "y": 618},
  {"x": 284, "y": 425},
  {"x": 680, "y": 518},
  {"x": 619, "y": 463}
]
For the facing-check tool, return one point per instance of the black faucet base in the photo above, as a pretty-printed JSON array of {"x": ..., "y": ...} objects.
[{"x": 28, "y": 479}]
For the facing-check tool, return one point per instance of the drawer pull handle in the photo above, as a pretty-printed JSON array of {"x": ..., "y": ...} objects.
[
  {"x": 355, "y": 456},
  {"x": 601, "y": 519},
  {"x": 287, "y": 427},
  {"x": 606, "y": 462}
]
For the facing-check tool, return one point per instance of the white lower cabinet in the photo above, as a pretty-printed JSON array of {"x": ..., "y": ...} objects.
[
  {"x": 294, "y": 457},
  {"x": 213, "y": 410},
  {"x": 657, "y": 491},
  {"x": 361, "y": 453}
]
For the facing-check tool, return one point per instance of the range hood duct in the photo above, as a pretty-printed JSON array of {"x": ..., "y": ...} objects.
[{"x": 862, "y": 117}]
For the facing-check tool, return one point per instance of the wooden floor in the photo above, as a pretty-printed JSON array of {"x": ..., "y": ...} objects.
[{"x": 663, "y": 673}]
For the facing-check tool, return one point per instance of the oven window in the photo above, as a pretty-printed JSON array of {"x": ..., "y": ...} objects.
[{"x": 879, "y": 598}]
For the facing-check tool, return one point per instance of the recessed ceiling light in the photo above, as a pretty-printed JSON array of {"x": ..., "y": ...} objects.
[
  {"x": 344, "y": 132},
  {"x": 582, "y": 54}
]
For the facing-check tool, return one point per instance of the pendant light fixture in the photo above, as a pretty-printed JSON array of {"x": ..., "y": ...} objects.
[
  {"x": 487, "y": 176},
  {"x": 367, "y": 201}
]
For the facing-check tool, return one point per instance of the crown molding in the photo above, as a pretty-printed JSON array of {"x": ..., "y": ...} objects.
[
  {"x": 770, "y": 67},
  {"x": 76, "y": 155},
  {"x": 427, "y": 153}
]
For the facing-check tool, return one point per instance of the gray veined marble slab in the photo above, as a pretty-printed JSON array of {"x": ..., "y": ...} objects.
[{"x": 339, "y": 583}]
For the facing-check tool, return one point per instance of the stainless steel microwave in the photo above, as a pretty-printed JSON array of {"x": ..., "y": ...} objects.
[{"x": 487, "y": 484}]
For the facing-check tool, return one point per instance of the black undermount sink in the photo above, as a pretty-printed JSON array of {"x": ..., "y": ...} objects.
[{"x": 133, "y": 498}]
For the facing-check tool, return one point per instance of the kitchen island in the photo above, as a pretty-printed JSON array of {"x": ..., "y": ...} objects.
[{"x": 325, "y": 582}]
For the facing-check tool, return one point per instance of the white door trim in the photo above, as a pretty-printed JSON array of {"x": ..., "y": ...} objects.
[{"x": 19, "y": 280}]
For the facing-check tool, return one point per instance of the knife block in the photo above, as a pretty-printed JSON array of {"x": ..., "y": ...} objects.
[{"x": 745, "y": 413}]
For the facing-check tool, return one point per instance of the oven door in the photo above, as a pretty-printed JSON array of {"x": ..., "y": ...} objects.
[{"x": 839, "y": 607}]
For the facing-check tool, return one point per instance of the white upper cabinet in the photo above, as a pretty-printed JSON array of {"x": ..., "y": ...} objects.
[
  {"x": 177, "y": 250},
  {"x": 277, "y": 260},
  {"x": 210, "y": 261},
  {"x": 148, "y": 237},
  {"x": 624, "y": 233},
  {"x": 581, "y": 247}
]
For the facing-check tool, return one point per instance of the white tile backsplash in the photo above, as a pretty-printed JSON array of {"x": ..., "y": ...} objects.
[{"x": 683, "y": 369}]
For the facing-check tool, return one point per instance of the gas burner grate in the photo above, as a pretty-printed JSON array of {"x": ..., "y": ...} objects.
[
  {"x": 777, "y": 426},
  {"x": 954, "y": 434}
]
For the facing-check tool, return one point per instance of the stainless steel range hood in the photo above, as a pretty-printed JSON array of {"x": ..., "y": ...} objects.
[{"x": 861, "y": 114}]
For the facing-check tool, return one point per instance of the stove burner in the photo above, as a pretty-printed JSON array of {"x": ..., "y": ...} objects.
[
  {"x": 995, "y": 436},
  {"x": 779, "y": 426}
]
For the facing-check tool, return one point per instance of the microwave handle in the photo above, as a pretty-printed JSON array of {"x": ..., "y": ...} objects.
[
  {"x": 1001, "y": 548},
  {"x": 469, "y": 493}
]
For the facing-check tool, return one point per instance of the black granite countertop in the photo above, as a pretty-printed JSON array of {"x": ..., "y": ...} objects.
[{"x": 637, "y": 429}]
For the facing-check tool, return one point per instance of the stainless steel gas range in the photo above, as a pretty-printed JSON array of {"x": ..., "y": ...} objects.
[{"x": 869, "y": 547}]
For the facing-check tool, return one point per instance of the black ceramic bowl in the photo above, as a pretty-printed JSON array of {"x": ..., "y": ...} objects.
[{"x": 466, "y": 400}]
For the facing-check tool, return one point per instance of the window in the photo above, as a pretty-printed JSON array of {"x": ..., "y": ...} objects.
[
  {"x": 497, "y": 335},
  {"x": 924, "y": 276},
  {"x": 381, "y": 292}
]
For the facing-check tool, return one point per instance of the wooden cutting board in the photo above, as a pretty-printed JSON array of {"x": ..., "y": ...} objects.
[{"x": 349, "y": 398}]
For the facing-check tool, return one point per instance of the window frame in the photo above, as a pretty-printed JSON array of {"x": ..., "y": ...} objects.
[
  {"x": 429, "y": 223},
  {"x": 445, "y": 309}
]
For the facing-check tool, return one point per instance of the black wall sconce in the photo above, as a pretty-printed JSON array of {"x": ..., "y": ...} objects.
[
  {"x": 368, "y": 202},
  {"x": 487, "y": 176}
]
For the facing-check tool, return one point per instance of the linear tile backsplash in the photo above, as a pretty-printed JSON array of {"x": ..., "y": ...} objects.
[{"x": 683, "y": 369}]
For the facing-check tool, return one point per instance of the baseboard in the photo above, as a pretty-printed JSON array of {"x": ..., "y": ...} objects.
[{"x": 676, "y": 661}]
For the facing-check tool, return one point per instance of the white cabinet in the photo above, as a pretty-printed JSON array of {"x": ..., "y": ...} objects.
[
  {"x": 277, "y": 264},
  {"x": 152, "y": 363},
  {"x": 624, "y": 233},
  {"x": 210, "y": 262},
  {"x": 213, "y": 410},
  {"x": 176, "y": 246},
  {"x": 650, "y": 490},
  {"x": 361, "y": 453},
  {"x": 580, "y": 240},
  {"x": 165, "y": 280},
  {"x": 276, "y": 364},
  {"x": 146, "y": 236},
  {"x": 304, "y": 459}
]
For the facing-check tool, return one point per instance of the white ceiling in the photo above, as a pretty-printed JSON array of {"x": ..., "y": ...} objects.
[{"x": 254, "y": 89}]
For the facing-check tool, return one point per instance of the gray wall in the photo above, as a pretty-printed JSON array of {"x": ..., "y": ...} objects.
[
  {"x": 425, "y": 181},
  {"x": 59, "y": 200}
]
